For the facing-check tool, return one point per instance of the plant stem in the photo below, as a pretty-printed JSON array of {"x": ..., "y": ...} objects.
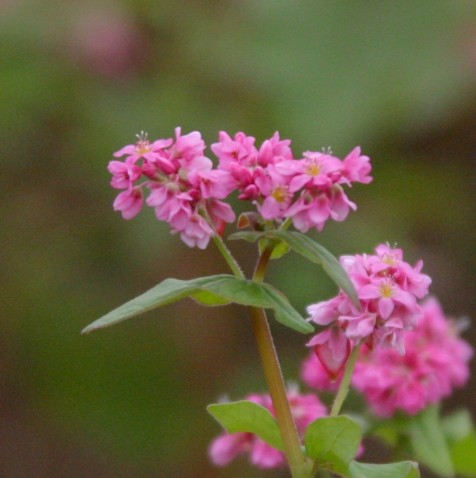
[
  {"x": 230, "y": 260},
  {"x": 344, "y": 385},
  {"x": 277, "y": 390},
  {"x": 274, "y": 378},
  {"x": 298, "y": 465}
]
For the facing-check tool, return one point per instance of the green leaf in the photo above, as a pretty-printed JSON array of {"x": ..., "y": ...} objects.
[
  {"x": 212, "y": 290},
  {"x": 318, "y": 254},
  {"x": 403, "y": 469},
  {"x": 312, "y": 251},
  {"x": 429, "y": 443},
  {"x": 463, "y": 453},
  {"x": 246, "y": 416},
  {"x": 457, "y": 425},
  {"x": 249, "y": 236},
  {"x": 333, "y": 441},
  {"x": 280, "y": 248}
]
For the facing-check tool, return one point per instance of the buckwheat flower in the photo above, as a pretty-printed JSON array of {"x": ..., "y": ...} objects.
[
  {"x": 143, "y": 148},
  {"x": 171, "y": 204},
  {"x": 124, "y": 174},
  {"x": 213, "y": 183},
  {"x": 129, "y": 203},
  {"x": 356, "y": 168},
  {"x": 386, "y": 295},
  {"x": 272, "y": 149},
  {"x": 305, "y": 408},
  {"x": 387, "y": 288},
  {"x": 316, "y": 205},
  {"x": 316, "y": 171},
  {"x": 197, "y": 232},
  {"x": 184, "y": 187},
  {"x": 240, "y": 150},
  {"x": 276, "y": 200},
  {"x": 314, "y": 375},
  {"x": 220, "y": 213},
  {"x": 309, "y": 212},
  {"x": 187, "y": 147},
  {"x": 332, "y": 348},
  {"x": 435, "y": 362}
]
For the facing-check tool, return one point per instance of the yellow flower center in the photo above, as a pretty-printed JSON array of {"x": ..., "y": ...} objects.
[
  {"x": 390, "y": 260},
  {"x": 142, "y": 144},
  {"x": 313, "y": 169},
  {"x": 386, "y": 290},
  {"x": 279, "y": 193}
]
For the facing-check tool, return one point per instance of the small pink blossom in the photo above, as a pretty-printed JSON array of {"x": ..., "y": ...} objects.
[
  {"x": 309, "y": 212},
  {"x": 332, "y": 348},
  {"x": 185, "y": 187},
  {"x": 387, "y": 289},
  {"x": 274, "y": 150},
  {"x": 124, "y": 174},
  {"x": 240, "y": 150},
  {"x": 197, "y": 232},
  {"x": 434, "y": 362},
  {"x": 182, "y": 182},
  {"x": 356, "y": 168},
  {"x": 129, "y": 202},
  {"x": 187, "y": 147},
  {"x": 305, "y": 408},
  {"x": 143, "y": 148},
  {"x": 314, "y": 375}
]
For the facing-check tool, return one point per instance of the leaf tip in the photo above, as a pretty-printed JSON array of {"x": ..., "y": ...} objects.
[{"x": 87, "y": 330}]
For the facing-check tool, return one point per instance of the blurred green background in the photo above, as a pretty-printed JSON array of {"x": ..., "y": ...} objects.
[{"x": 79, "y": 79}]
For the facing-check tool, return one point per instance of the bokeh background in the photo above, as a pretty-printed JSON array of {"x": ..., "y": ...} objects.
[{"x": 79, "y": 79}]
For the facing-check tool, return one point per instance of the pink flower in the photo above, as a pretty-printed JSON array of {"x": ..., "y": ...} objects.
[
  {"x": 187, "y": 147},
  {"x": 184, "y": 186},
  {"x": 314, "y": 375},
  {"x": 240, "y": 150},
  {"x": 332, "y": 348},
  {"x": 316, "y": 171},
  {"x": 143, "y": 148},
  {"x": 226, "y": 447},
  {"x": 197, "y": 232},
  {"x": 387, "y": 289},
  {"x": 274, "y": 150},
  {"x": 183, "y": 183},
  {"x": 434, "y": 362},
  {"x": 356, "y": 168},
  {"x": 308, "y": 212},
  {"x": 124, "y": 174},
  {"x": 129, "y": 203}
]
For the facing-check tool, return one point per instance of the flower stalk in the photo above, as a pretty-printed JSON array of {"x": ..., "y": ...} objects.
[
  {"x": 275, "y": 381},
  {"x": 298, "y": 465},
  {"x": 345, "y": 383}
]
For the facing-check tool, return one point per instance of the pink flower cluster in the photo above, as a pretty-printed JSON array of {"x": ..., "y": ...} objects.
[
  {"x": 308, "y": 190},
  {"x": 387, "y": 288},
  {"x": 187, "y": 190},
  {"x": 435, "y": 361},
  {"x": 226, "y": 447}
]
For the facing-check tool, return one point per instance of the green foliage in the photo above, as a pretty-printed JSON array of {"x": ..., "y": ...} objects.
[
  {"x": 429, "y": 442},
  {"x": 457, "y": 425},
  {"x": 212, "y": 290},
  {"x": 403, "y": 469},
  {"x": 333, "y": 442},
  {"x": 246, "y": 416},
  {"x": 312, "y": 251},
  {"x": 463, "y": 454}
]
